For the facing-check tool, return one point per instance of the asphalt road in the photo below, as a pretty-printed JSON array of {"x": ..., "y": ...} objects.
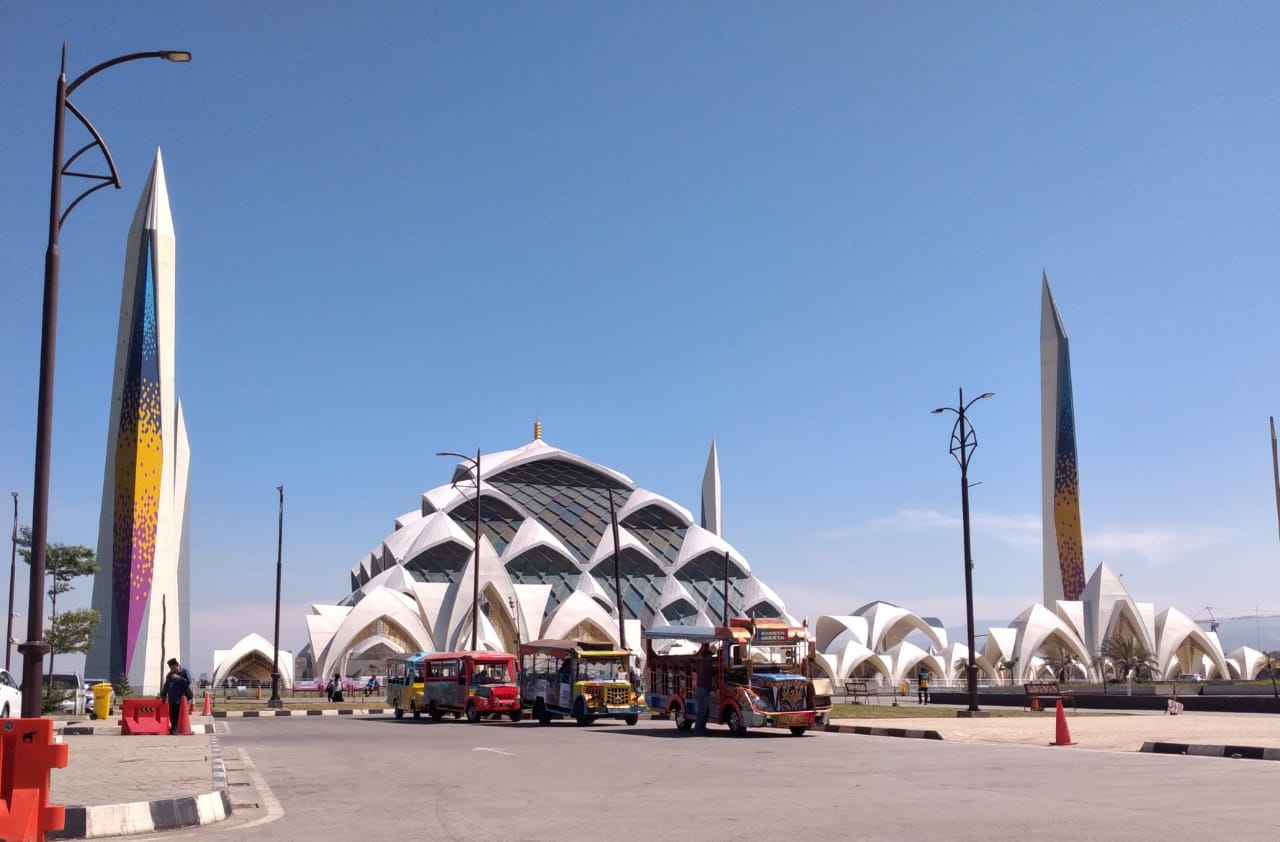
[{"x": 382, "y": 779}]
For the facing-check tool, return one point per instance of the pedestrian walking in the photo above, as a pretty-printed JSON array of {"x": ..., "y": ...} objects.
[
  {"x": 703, "y": 672},
  {"x": 177, "y": 686}
]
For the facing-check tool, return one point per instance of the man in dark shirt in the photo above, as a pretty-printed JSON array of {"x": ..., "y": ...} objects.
[
  {"x": 704, "y": 669},
  {"x": 177, "y": 686}
]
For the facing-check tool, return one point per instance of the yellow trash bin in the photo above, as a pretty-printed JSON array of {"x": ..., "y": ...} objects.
[{"x": 102, "y": 700}]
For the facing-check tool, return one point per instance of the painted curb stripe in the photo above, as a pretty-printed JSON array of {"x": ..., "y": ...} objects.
[{"x": 867, "y": 731}]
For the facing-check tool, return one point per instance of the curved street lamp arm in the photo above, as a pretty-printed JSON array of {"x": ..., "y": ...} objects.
[
  {"x": 167, "y": 55},
  {"x": 978, "y": 398},
  {"x": 104, "y": 180}
]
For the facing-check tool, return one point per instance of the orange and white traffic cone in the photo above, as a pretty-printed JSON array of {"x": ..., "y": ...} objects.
[
  {"x": 1063, "y": 736},
  {"x": 184, "y": 720},
  {"x": 208, "y": 704}
]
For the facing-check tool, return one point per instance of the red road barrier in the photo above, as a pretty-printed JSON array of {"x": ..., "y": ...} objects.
[
  {"x": 144, "y": 716},
  {"x": 27, "y": 753}
]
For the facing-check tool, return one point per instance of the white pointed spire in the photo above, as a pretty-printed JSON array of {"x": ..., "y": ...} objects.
[{"x": 710, "y": 520}]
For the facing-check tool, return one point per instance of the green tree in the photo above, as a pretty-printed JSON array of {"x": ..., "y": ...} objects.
[
  {"x": 1062, "y": 661},
  {"x": 62, "y": 563},
  {"x": 1128, "y": 657},
  {"x": 72, "y": 631},
  {"x": 1008, "y": 665}
]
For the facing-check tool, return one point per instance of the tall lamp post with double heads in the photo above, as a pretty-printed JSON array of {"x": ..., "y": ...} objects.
[
  {"x": 275, "y": 701},
  {"x": 475, "y": 580},
  {"x": 13, "y": 570},
  {"x": 964, "y": 440},
  {"x": 34, "y": 650}
]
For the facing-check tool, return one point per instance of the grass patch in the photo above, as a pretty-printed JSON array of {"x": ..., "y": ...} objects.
[{"x": 888, "y": 711}]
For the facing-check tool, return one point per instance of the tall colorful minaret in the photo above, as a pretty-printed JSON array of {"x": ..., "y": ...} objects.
[
  {"x": 141, "y": 589},
  {"x": 1063, "y": 541}
]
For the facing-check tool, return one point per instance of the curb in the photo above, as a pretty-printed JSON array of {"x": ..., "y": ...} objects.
[
  {"x": 151, "y": 816},
  {"x": 254, "y": 714},
  {"x": 1234, "y": 752},
  {"x": 883, "y": 732},
  {"x": 87, "y": 731}
]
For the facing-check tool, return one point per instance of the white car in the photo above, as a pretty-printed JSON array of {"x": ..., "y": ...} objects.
[
  {"x": 73, "y": 689},
  {"x": 10, "y": 696}
]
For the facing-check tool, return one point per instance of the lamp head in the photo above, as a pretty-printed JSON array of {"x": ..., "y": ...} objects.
[
  {"x": 938, "y": 411},
  {"x": 175, "y": 55},
  {"x": 986, "y": 395}
]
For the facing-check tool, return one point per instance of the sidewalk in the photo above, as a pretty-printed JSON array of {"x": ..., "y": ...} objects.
[
  {"x": 115, "y": 785},
  {"x": 1120, "y": 732}
]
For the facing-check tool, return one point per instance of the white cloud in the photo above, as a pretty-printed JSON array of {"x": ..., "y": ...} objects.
[{"x": 1156, "y": 546}]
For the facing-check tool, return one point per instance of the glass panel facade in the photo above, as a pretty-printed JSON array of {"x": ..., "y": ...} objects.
[
  {"x": 680, "y": 613},
  {"x": 658, "y": 528},
  {"x": 542, "y": 566},
  {"x": 498, "y": 521},
  {"x": 641, "y": 582},
  {"x": 571, "y": 501},
  {"x": 704, "y": 578},
  {"x": 441, "y": 563}
]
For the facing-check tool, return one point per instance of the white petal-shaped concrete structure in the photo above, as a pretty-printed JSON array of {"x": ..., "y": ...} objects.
[
  {"x": 250, "y": 660},
  {"x": 1181, "y": 644},
  {"x": 547, "y": 564},
  {"x": 1070, "y": 638}
]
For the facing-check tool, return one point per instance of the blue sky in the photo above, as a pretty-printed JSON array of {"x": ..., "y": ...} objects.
[{"x": 796, "y": 228}]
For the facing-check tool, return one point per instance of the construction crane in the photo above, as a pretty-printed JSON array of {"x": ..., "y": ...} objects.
[{"x": 1213, "y": 622}]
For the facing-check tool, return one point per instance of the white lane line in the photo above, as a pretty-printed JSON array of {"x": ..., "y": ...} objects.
[
  {"x": 494, "y": 750},
  {"x": 269, "y": 800}
]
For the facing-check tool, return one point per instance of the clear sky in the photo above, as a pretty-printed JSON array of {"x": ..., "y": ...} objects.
[{"x": 793, "y": 227}]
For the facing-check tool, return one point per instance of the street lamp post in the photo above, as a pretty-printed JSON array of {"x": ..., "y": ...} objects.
[
  {"x": 34, "y": 650},
  {"x": 13, "y": 569},
  {"x": 475, "y": 581},
  {"x": 964, "y": 440},
  {"x": 275, "y": 701}
]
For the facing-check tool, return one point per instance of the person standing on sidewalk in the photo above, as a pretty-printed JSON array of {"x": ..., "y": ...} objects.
[
  {"x": 923, "y": 681},
  {"x": 703, "y": 671},
  {"x": 177, "y": 686}
]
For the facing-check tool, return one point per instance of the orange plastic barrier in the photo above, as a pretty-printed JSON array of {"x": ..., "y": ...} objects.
[
  {"x": 27, "y": 753},
  {"x": 144, "y": 716}
]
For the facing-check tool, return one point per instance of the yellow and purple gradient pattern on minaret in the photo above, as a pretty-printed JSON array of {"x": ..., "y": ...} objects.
[
  {"x": 139, "y": 463},
  {"x": 1066, "y": 490}
]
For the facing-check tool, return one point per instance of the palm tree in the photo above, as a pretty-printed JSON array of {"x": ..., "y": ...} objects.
[
  {"x": 1129, "y": 657},
  {"x": 1008, "y": 665},
  {"x": 1062, "y": 661}
]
